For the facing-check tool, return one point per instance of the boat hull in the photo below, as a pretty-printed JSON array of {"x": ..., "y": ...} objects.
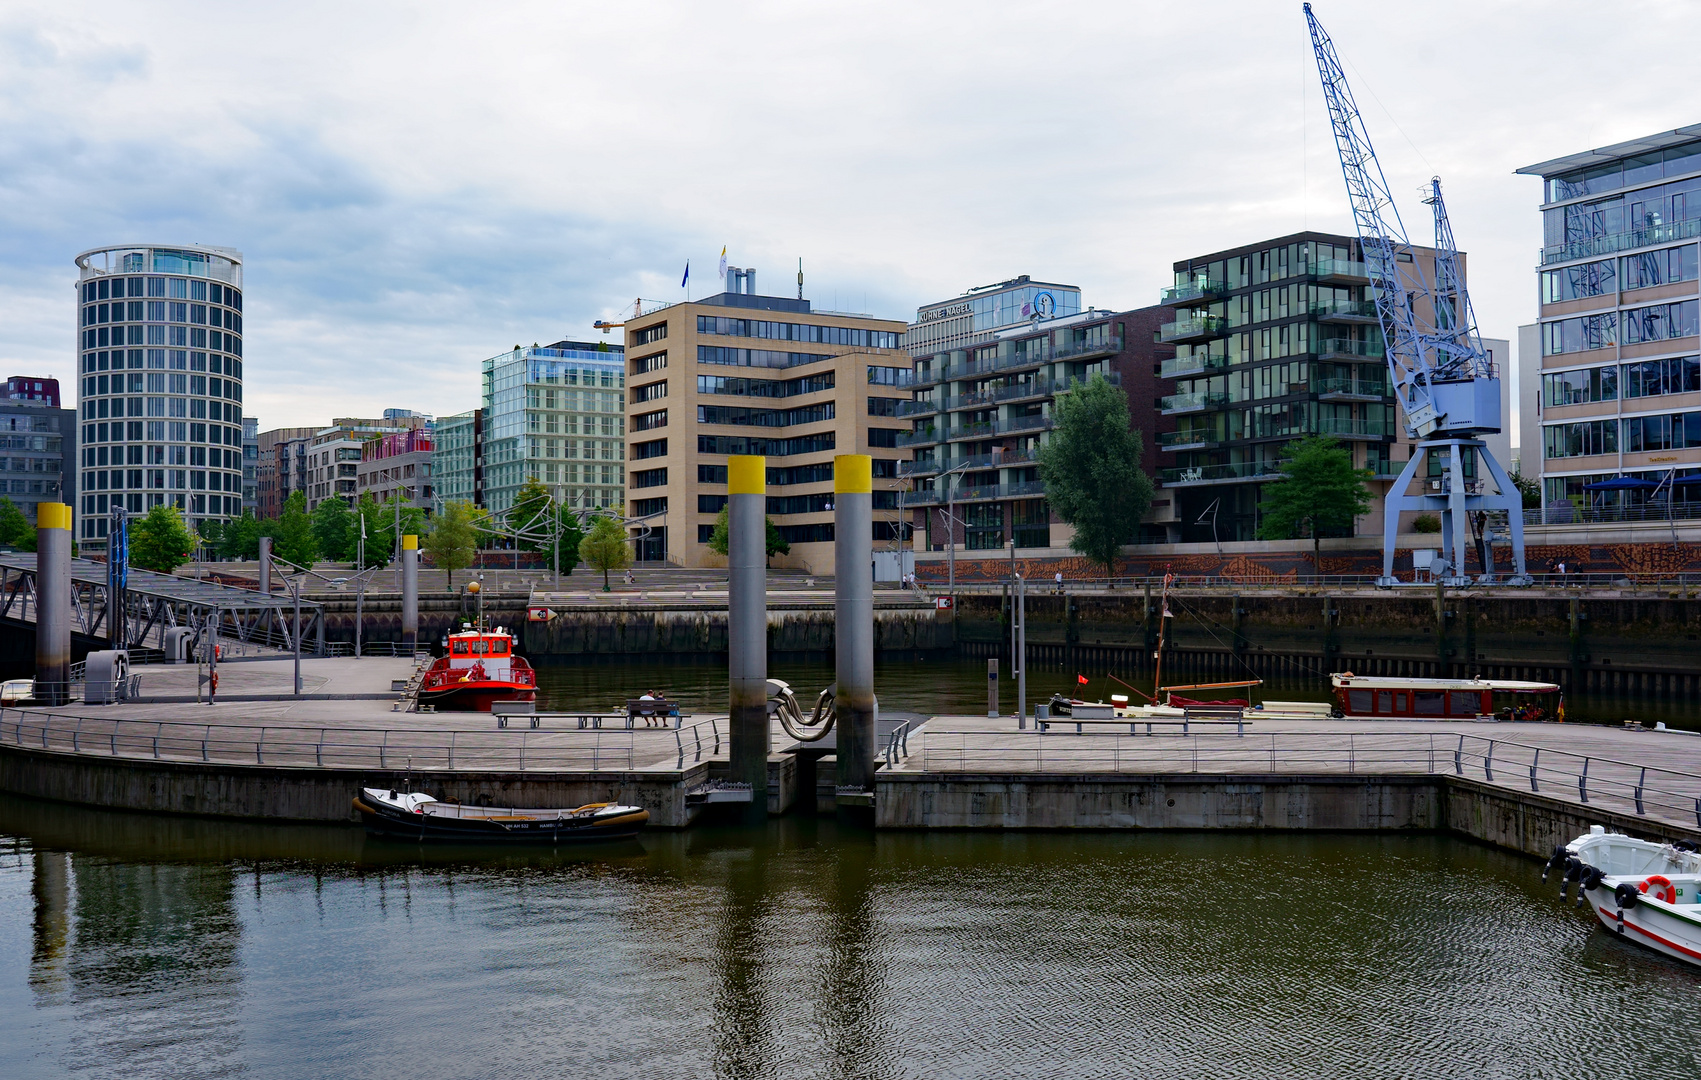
[
  {"x": 475, "y": 697},
  {"x": 1651, "y": 923},
  {"x": 514, "y": 827}
]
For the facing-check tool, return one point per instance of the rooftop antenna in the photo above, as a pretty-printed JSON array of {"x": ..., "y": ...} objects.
[{"x": 800, "y": 278}]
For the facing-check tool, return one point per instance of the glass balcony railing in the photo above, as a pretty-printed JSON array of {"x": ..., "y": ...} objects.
[
  {"x": 1181, "y": 367},
  {"x": 923, "y": 437},
  {"x": 1335, "y": 268},
  {"x": 916, "y": 408},
  {"x": 1623, "y": 241},
  {"x": 920, "y": 467},
  {"x": 1218, "y": 474},
  {"x": 1200, "y": 291},
  {"x": 1188, "y": 440},
  {"x": 1347, "y": 347},
  {"x": 1195, "y": 402},
  {"x": 1351, "y": 388},
  {"x": 1344, "y": 311},
  {"x": 1351, "y": 429},
  {"x": 988, "y": 429},
  {"x": 1200, "y": 328}
]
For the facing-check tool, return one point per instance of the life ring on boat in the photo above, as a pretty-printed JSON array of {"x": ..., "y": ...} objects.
[{"x": 1665, "y": 891}]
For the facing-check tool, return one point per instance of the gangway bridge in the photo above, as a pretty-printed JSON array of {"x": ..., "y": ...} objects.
[{"x": 154, "y": 603}]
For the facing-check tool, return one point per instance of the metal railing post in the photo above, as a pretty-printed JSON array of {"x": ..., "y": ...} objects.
[
  {"x": 1352, "y": 757},
  {"x": 1583, "y": 782},
  {"x": 451, "y": 749},
  {"x": 1534, "y": 761},
  {"x": 523, "y": 748},
  {"x": 206, "y": 733},
  {"x": 76, "y": 734},
  {"x": 259, "y": 748},
  {"x": 1641, "y": 782},
  {"x": 1488, "y": 762},
  {"x": 1459, "y": 758},
  {"x": 156, "y": 738}
]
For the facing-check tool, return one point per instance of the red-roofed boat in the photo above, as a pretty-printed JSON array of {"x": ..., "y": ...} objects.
[{"x": 479, "y": 668}]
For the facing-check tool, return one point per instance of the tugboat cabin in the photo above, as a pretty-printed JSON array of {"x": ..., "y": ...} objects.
[{"x": 1384, "y": 698}]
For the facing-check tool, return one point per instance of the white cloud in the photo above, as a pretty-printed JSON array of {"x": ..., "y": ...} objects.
[{"x": 417, "y": 186}]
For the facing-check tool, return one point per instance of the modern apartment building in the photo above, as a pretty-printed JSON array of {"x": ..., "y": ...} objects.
[
  {"x": 1620, "y": 325},
  {"x": 159, "y": 331},
  {"x": 282, "y": 467},
  {"x": 250, "y": 466},
  {"x": 398, "y": 464},
  {"x": 739, "y": 373},
  {"x": 555, "y": 414},
  {"x": 1275, "y": 341},
  {"x": 38, "y": 448},
  {"x": 33, "y": 388},
  {"x": 979, "y": 415},
  {"x": 334, "y": 455},
  {"x": 457, "y": 458},
  {"x": 976, "y": 316}
]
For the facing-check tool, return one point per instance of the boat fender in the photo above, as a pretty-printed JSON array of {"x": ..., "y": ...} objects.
[
  {"x": 1685, "y": 845},
  {"x": 1559, "y": 856},
  {"x": 1573, "y": 872},
  {"x": 1592, "y": 876},
  {"x": 1662, "y": 888},
  {"x": 1627, "y": 895}
]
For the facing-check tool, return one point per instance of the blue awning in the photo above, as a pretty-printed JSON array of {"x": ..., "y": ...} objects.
[{"x": 1622, "y": 483}]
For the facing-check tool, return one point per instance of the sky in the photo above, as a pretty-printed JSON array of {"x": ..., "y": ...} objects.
[{"x": 417, "y": 186}]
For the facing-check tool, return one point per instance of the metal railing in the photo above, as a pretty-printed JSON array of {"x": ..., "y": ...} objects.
[
  {"x": 1570, "y": 581},
  {"x": 518, "y": 749},
  {"x": 1600, "y": 782},
  {"x": 1566, "y": 514},
  {"x": 1196, "y": 328},
  {"x": 898, "y": 744},
  {"x": 1622, "y": 241},
  {"x": 1194, "y": 402}
]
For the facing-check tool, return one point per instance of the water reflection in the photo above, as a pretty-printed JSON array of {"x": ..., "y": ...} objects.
[{"x": 157, "y": 946}]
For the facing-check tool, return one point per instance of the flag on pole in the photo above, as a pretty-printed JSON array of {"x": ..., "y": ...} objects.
[
  {"x": 1082, "y": 679},
  {"x": 723, "y": 262},
  {"x": 687, "y": 276}
]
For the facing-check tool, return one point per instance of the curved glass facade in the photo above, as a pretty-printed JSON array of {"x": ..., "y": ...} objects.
[{"x": 159, "y": 387}]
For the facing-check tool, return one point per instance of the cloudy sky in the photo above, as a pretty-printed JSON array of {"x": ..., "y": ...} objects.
[{"x": 419, "y": 185}]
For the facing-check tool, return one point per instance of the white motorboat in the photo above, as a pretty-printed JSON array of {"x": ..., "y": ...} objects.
[{"x": 1649, "y": 893}]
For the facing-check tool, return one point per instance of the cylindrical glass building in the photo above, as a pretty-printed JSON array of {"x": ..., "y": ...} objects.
[{"x": 159, "y": 392}]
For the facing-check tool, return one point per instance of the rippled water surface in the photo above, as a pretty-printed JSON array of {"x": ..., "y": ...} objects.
[{"x": 147, "y": 947}]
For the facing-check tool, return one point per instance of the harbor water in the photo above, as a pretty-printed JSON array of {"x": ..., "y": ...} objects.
[{"x": 137, "y": 946}]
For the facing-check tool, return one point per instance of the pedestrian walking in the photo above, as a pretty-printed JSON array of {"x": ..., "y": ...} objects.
[{"x": 1060, "y": 583}]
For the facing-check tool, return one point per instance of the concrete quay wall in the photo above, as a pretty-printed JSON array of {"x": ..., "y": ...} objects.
[{"x": 321, "y": 794}]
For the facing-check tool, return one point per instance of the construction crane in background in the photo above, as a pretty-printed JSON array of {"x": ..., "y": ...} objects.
[
  {"x": 637, "y": 309},
  {"x": 1448, "y": 389}
]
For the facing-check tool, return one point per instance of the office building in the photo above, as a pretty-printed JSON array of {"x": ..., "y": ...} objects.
[
  {"x": 159, "y": 395},
  {"x": 457, "y": 458},
  {"x": 33, "y": 388},
  {"x": 976, "y": 316},
  {"x": 282, "y": 467},
  {"x": 1620, "y": 326},
  {"x": 397, "y": 464},
  {"x": 739, "y": 373},
  {"x": 555, "y": 414},
  {"x": 250, "y": 466},
  {"x": 979, "y": 415},
  {"x": 1275, "y": 341},
  {"x": 38, "y": 446}
]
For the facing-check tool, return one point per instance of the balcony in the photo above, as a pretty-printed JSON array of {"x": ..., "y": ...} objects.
[
  {"x": 1198, "y": 328},
  {"x": 1220, "y": 474},
  {"x": 1341, "y": 271},
  {"x": 1197, "y": 439},
  {"x": 925, "y": 437},
  {"x": 1195, "y": 293},
  {"x": 1026, "y": 488},
  {"x": 1181, "y": 367},
  {"x": 1345, "y": 311},
  {"x": 1177, "y": 404},
  {"x": 923, "y": 467},
  {"x": 1624, "y": 241},
  {"x": 1350, "y": 389},
  {"x": 1037, "y": 388},
  {"x": 987, "y": 430},
  {"x": 1342, "y": 347},
  {"x": 1352, "y": 429},
  {"x": 916, "y": 408}
]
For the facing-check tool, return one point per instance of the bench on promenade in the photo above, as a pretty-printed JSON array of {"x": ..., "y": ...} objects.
[
  {"x": 653, "y": 711},
  {"x": 1185, "y": 723}
]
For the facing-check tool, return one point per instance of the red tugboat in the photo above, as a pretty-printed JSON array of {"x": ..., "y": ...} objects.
[{"x": 480, "y": 668}]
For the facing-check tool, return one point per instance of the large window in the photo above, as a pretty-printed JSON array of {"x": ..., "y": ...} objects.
[
  {"x": 1661, "y": 322},
  {"x": 1659, "y": 267},
  {"x": 1675, "y": 431},
  {"x": 1651, "y": 378},
  {"x": 1580, "y": 334},
  {"x": 1580, "y": 439},
  {"x": 807, "y": 332},
  {"x": 1576, "y": 282},
  {"x": 728, "y": 414},
  {"x": 768, "y": 358},
  {"x": 1582, "y": 387},
  {"x": 746, "y": 444},
  {"x": 771, "y": 388}
]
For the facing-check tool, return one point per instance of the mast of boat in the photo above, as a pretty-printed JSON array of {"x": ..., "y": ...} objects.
[{"x": 1163, "y": 613}]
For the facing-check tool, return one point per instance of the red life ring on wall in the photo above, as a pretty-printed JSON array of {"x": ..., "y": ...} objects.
[
  {"x": 1666, "y": 891},
  {"x": 213, "y": 679}
]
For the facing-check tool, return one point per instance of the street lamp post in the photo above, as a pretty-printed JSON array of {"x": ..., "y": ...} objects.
[{"x": 951, "y": 532}]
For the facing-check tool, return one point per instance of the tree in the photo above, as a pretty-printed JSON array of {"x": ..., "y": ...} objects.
[
  {"x": 240, "y": 538},
  {"x": 159, "y": 540},
  {"x": 211, "y": 532},
  {"x": 1091, "y": 470},
  {"x": 1320, "y": 492},
  {"x": 452, "y": 541},
  {"x": 334, "y": 529},
  {"x": 1528, "y": 489},
  {"x": 774, "y": 542},
  {"x": 292, "y": 538},
  {"x": 606, "y": 548},
  {"x": 15, "y": 529}
]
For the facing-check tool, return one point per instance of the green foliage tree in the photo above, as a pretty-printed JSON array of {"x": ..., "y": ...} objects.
[
  {"x": 1528, "y": 489},
  {"x": 334, "y": 529},
  {"x": 541, "y": 519},
  {"x": 15, "y": 529},
  {"x": 292, "y": 537},
  {"x": 452, "y": 541},
  {"x": 605, "y": 548},
  {"x": 775, "y": 541},
  {"x": 1320, "y": 492},
  {"x": 240, "y": 538},
  {"x": 160, "y": 541},
  {"x": 211, "y": 534},
  {"x": 1091, "y": 470}
]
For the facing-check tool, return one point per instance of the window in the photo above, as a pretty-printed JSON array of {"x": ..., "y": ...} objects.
[
  {"x": 1651, "y": 378},
  {"x": 649, "y": 392},
  {"x": 1582, "y": 387},
  {"x": 807, "y": 332},
  {"x": 647, "y": 507},
  {"x": 1580, "y": 439},
  {"x": 1579, "y": 334},
  {"x": 807, "y": 534},
  {"x": 641, "y": 451},
  {"x": 1675, "y": 431},
  {"x": 883, "y": 406},
  {"x": 649, "y": 478},
  {"x": 1463, "y": 702},
  {"x": 727, "y": 414},
  {"x": 713, "y": 474},
  {"x": 654, "y": 362},
  {"x": 715, "y": 354},
  {"x": 885, "y": 438},
  {"x": 1659, "y": 267},
  {"x": 1576, "y": 282},
  {"x": 771, "y": 388},
  {"x": 650, "y": 421},
  {"x": 744, "y": 444},
  {"x": 1662, "y": 321},
  {"x": 1430, "y": 703},
  {"x": 710, "y": 504},
  {"x": 891, "y": 376},
  {"x": 649, "y": 334}
]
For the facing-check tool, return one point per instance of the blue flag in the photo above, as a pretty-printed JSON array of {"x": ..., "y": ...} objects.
[{"x": 687, "y": 276}]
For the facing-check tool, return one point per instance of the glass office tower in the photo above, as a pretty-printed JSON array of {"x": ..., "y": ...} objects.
[{"x": 159, "y": 394}]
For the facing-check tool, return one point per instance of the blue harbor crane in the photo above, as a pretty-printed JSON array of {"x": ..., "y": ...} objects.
[{"x": 1448, "y": 388}]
